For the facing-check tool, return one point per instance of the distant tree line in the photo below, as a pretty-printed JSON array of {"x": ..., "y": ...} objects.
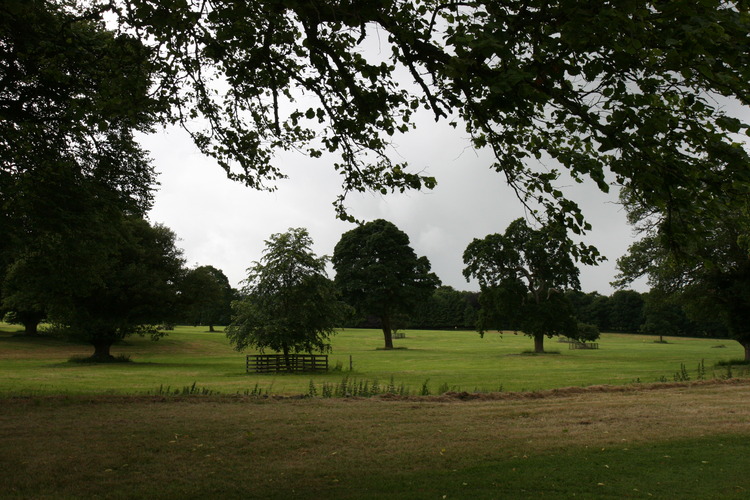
[
  {"x": 628, "y": 311},
  {"x": 625, "y": 311}
]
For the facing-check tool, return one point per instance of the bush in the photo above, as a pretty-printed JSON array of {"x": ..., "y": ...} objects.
[{"x": 587, "y": 332}]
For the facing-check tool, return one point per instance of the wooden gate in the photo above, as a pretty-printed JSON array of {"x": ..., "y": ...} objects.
[{"x": 268, "y": 363}]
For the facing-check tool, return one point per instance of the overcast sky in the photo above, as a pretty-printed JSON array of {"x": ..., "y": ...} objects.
[{"x": 224, "y": 224}]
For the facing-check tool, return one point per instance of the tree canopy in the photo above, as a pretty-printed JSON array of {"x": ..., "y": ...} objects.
[
  {"x": 73, "y": 92},
  {"x": 644, "y": 94},
  {"x": 709, "y": 274},
  {"x": 522, "y": 274},
  {"x": 631, "y": 92},
  {"x": 72, "y": 96},
  {"x": 206, "y": 297},
  {"x": 135, "y": 289},
  {"x": 379, "y": 273},
  {"x": 288, "y": 304},
  {"x": 640, "y": 93}
]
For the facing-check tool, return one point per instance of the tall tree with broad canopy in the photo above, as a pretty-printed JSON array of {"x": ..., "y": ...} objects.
[
  {"x": 206, "y": 297},
  {"x": 72, "y": 97},
  {"x": 632, "y": 92},
  {"x": 136, "y": 289},
  {"x": 709, "y": 272},
  {"x": 288, "y": 303},
  {"x": 379, "y": 273},
  {"x": 523, "y": 275}
]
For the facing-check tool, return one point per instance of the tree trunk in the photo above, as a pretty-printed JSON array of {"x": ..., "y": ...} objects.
[
  {"x": 211, "y": 328},
  {"x": 746, "y": 345},
  {"x": 101, "y": 352},
  {"x": 287, "y": 363},
  {"x": 387, "y": 332},
  {"x": 31, "y": 327},
  {"x": 539, "y": 343}
]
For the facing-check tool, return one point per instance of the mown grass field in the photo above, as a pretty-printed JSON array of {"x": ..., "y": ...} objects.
[
  {"x": 672, "y": 443},
  {"x": 460, "y": 361},
  {"x": 89, "y": 431}
]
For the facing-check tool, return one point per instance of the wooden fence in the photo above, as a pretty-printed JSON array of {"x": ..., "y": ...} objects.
[
  {"x": 583, "y": 345},
  {"x": 267, "y": 363}
]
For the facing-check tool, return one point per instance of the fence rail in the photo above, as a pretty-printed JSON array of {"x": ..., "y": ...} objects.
[
  {"x": 583, "y": 345},
  {"x": 267, "y": 363}
]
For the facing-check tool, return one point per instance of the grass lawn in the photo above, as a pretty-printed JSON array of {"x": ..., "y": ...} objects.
[
  {"x": 91, "y": 431},
  {"x": 459, "y": 361},
  {"x": 678, "y": 442}
]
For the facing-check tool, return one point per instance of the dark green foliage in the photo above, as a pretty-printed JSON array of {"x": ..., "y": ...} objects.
[
  {"x": 586, "y": 332},
  {"x": 523, "y": 274},
  {"x": 288, "y": 304},
  {"x": 663, "y": 315},
  {"x": 446, "y": 309},
  {"x": 625, "y": 311},
  {"x": 136, "y": 289},
  {"x": 72, "y": 95},
  {"x": 707, "y": 273},
  {"x": 655, "y": 313},
  {"x": 206, "y": 297},
  {"x": 624, "y": 89},
  {"x": 380, "y": 275},
  {"x": 591, "y": 308}
]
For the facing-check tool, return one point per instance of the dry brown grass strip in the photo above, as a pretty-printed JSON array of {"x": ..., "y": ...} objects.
[{"x": 125, "y": 441}]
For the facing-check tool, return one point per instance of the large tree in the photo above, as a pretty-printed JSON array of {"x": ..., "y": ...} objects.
[
  {"x": 288, "y": 303},
  {"x": 206, "y": 297},
  {"x": 523, "y": 274},
  {"x": 379, "y": 273},
  {"x": 135, "y": 290},
  {"x": 708, "y": 272},
  {"x": 634, "y": 92},
  {"x": 72, "y": 96}
]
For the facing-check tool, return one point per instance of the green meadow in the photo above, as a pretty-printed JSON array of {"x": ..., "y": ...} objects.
[
  {"x": 435, "y": 360},
  {"x": 74, "y": 430}
]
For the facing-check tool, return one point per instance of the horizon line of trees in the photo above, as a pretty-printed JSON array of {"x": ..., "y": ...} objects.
[
  {"x": 203, "y": 297},
  {"x": 624, "y": 311}
]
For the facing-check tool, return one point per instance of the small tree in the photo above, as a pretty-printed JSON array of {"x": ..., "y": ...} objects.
[
  {"x": 522, "y": 274},
  {"x": 587, "y": 332},
  {"x": 289, "y": 304},
  {"x": 379, "y": 273}
]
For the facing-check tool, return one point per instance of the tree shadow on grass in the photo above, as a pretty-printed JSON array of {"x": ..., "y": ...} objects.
[{"x": 40, "y": 339}]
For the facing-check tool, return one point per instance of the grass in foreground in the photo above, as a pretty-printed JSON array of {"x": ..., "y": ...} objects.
[
  {"x": 437, "y": 360},
  {"x": 679, "y": 442}
]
